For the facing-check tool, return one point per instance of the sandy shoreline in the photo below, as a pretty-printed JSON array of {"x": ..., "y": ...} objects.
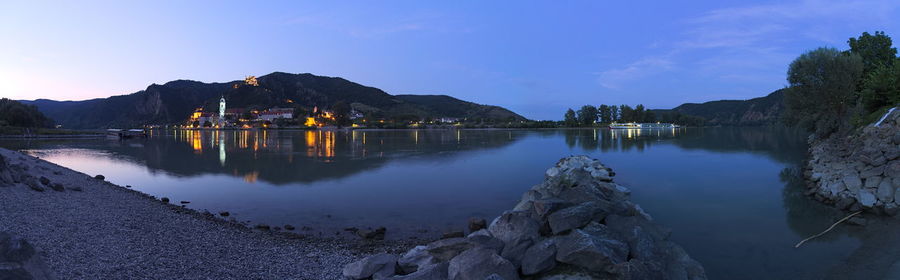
[{"x": 111, "y": 232}]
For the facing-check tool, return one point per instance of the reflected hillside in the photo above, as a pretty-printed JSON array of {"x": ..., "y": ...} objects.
[{"x": 282, "y": 157}]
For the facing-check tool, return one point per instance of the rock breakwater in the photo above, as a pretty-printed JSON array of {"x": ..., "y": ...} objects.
[
  {"x": 577, "y": 223},
  {"x": 861, "y": 171}
]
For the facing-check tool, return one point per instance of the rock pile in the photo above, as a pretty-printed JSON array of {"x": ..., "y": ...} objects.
[
  {"x": 859, "y": 172},
  {"x": 578, "y": 223},
  {"x": 15, "y": 174}
]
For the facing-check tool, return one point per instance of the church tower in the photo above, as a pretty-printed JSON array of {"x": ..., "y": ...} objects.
[{"x": 222, "y": 111}]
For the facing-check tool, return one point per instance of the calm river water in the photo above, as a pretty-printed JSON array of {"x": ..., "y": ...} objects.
[{"x": 731, "y": 195}]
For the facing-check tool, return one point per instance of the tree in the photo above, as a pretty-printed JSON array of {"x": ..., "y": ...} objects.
[
  {"x": 881, "y": 88},
  {"x": 823, "y": 85},
  {"x": 14, "y": 113},
  {"x": 639, "y": 113},
  {"x": 603, "y": 111},
  {"x": 614, "y": 114},
  {"x": 569, "y": 119},
  {"x": 626, "y": 113},
  {"x": 341, "y": 113},
  {"x": 587, "y": 115},
  {"x": 875, "y": 50}
]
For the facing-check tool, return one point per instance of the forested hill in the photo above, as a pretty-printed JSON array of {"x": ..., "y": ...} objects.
[
  {"x": 173, "y": 102},
  {"x": 757, "y": 111}
]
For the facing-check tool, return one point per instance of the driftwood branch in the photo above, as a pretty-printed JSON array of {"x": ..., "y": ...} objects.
[{"x": 827, "y": 230}]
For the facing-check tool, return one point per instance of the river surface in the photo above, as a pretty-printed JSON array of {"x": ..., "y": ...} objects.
[{"x": 732, "y": 196}]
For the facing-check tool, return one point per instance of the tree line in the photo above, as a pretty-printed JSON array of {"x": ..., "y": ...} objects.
[
  {"x": 832, "y": 91},
  {"x": 589, "y": 115},
  {"x": 14, "y": 113}
]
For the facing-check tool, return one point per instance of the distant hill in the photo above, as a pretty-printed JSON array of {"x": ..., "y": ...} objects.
[
  {"x": 173, "y": 102},
  {"x": 757, "y": 111}
]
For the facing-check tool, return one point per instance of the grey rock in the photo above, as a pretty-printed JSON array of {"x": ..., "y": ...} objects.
[
  {"x": 100, "y": 177},
  {"x": 446, "y": 249},
  {"x": 853, "y": 183},
  {"x": 544, "y": 207},
  {"x": 44, "y": 181},
  {"x": 540, "y": 257},
  {"x": 866, "y": 198},
  {"x": 594, "y": 248},
  {"x": 872, "y": 172},
  {"x": 14, "y": 249},
  {"x": 415, "y": 258},
  {"x": 33, "y": 184},
  {"x": 844, "y": 201},
  {"x": 377, "y": 266},
  {"x": 224, "y": 214},
  {"x": 575, "y": 216},
  {"x": 164, "y": 199},
  {"x": 289, "y": 227},
  {"x": 480, "y": 263},
  {"x": 429, "y": 272},
  {"x": 486, "y": 241},
  {"x": 262, "y": 227},
  {"x": 893, "y": 169},
  {"x": 513, "y": 227},
  {"x": 872, "y": 182},
  {"x": 483, "y": 232},
  {"x": 885, "y": 192}
]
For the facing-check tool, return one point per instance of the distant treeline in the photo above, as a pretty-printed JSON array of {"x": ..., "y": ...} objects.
[
  {"x": 589, "y": 115},
  {"x": 832, "y": 91},
  {"x": 14, "y": 113}
]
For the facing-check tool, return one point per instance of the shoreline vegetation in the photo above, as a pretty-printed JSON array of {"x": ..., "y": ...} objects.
[{"x": 87, "y": 228}]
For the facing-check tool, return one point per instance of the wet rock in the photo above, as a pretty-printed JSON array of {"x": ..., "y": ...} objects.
[
  {"x": 164, "y": 199},
  {"x": 262, "y": 227},
  {"x": 377, "y": 266},
  {"x": 76, "y": 188},
  {"x": 185, "y": 202},
  {"x": 289, "y": 227},
  {"x": 44, "y": 181},
  {"x": 844, "y": 202},
  {"x": 34, "y": 185},
  {"x": 224, "y": 214},
  {"x": 377, "y": 234},
  {"x": 480, "y": 263},
  {"x": 593, "y": 248},
  {"x": 539, "y": 258},
  {"x": 476, "y": 224},
  {"x": 100, "y": 177}
]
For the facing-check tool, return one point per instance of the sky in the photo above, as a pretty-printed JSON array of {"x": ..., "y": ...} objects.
[{"x": 537, "y": 58}]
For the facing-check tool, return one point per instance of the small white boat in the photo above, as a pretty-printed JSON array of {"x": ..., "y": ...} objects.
[{"x": 642, "y": 125}]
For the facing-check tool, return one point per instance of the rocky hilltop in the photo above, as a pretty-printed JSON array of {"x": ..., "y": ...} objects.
[
  {"x": 764, "y": 110},
  {"x": 859, "y": 172},
  {"x": 577, "y": 224}
]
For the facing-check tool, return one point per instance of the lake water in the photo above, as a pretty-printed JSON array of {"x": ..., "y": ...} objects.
[{"x": 732, "y": 196}]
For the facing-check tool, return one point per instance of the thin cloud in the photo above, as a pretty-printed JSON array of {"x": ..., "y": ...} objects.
[{"x": 614, "y": 78}]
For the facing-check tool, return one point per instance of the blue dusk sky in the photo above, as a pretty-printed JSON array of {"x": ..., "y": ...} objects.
[{"x": 534, "y": 57}]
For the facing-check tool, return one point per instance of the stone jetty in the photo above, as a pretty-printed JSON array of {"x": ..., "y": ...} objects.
[
  {"x": 861, "y": 171},
  {"x": 576, "y": 224}
]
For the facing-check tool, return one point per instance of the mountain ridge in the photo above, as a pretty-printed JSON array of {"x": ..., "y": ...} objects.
[{"x": 173, "y": 101}]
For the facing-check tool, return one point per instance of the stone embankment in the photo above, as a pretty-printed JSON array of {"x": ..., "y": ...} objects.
[
  {"x": 577, "y": 224},
  {"x": 861, "y": 171}
]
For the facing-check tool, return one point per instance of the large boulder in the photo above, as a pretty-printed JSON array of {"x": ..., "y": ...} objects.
[
  {"x": 595, "y": 248},
  {"x": 540, "y": 257},
  {"x": 446, "y": 249},
  {"x": 377, "y": 266},
  {"x": 480, "y": 263},
  {"x": 577, "y": 216},
  {"x": 415, "y": 258}
]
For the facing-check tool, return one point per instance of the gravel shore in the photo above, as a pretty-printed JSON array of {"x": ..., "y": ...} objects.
[{"x": 105, "y": 231}]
